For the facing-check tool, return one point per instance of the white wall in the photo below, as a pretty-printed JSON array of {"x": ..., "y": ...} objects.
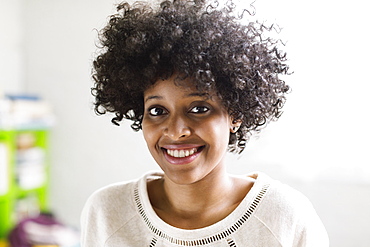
[
  {"x": 325, "y": 117},
  {"x": 11, "y": 46},
  {"x": 318, "y": 146}
]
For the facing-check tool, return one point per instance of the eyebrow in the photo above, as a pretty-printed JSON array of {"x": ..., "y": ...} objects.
[
  {"x": 153, "y": 97},
  {"x": 198, "y": 95},
  {"x": 187, "y": 96}
]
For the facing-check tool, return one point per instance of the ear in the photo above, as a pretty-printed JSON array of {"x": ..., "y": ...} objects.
[{"x": 235, "y": 124}]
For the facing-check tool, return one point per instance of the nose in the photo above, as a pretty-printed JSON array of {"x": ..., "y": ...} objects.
[{"x": 177, "y": 127}]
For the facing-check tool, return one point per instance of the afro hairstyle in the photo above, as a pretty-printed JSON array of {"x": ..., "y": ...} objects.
[{"x": 213, "y": 46}]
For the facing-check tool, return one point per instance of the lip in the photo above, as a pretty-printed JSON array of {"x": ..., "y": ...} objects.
[{"x": 181, "y": 160}]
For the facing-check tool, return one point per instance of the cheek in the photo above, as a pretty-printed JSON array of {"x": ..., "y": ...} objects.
[
  {"x": 151, "y": 133},
  {"x": 217, "y": 132},
  {"x": 147, "y": 132}
]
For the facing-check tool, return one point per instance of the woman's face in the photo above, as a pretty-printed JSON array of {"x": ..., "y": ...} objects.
[{"x": 187, "y": 132}]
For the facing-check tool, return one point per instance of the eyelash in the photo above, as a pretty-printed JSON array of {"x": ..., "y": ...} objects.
[{"x": 163, "y": 111}]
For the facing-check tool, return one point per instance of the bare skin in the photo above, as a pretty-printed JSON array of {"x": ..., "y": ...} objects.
[{"x": 198, "y": 205}]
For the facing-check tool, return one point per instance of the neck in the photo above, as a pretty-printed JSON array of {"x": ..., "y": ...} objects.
[
  {"x": 199, "y": 204},
  {"x": 197, "y": 197}
]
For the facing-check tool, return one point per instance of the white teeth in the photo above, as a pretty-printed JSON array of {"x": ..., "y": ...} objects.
[{"x": 181, "y": 153}]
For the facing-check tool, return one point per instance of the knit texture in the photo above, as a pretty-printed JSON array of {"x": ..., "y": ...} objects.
[{"x": 271, "y": 214}]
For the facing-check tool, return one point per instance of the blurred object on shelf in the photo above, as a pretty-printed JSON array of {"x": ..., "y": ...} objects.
[
  {"x": 26, "y": 207},
  {"x": 30, "y": 169},
  {"x": 43, "y": 230},
  {"x": 25, "y": 141},
  {"x": 25, "y": 111},
  {"x": 3, "y": 243}
]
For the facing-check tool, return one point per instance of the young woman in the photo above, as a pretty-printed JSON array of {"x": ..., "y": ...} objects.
[{"x": 197, "y": 82}]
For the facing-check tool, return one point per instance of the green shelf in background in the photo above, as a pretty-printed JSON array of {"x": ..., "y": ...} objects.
[{"x": 12, "y": 195}]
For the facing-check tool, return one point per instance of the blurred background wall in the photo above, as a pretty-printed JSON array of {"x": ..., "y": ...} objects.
[{"x": 319, "y": 146}]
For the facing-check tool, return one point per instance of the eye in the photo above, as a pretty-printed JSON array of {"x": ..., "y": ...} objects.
[
  {"x": 157, "y": 111},
  {"x": 199, "y": 109}
]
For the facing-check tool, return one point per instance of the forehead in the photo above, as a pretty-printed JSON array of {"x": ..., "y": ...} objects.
[{"x": 175, "y": 86}]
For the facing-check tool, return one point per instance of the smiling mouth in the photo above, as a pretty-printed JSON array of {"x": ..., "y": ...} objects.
[{"x": 182, "y": 153}]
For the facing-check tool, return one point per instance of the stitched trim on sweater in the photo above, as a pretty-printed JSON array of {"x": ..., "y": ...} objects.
[
  {"x": 231, "y": 243},
  {"x": 203, "y": 241},
  {"x": 153, "y": 243}
]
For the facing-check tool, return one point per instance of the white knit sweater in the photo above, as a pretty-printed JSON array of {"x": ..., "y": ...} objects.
[{"x": 272, "y": 214}]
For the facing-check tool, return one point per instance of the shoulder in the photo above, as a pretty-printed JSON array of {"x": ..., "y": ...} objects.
[
  {"x": 286, "y": 198},
  {"x": 282, "y": 197},
  {"x": 116, "y": 192},
  {"x": 290, "y": 215},
  {"x": 107, "y": 210}
]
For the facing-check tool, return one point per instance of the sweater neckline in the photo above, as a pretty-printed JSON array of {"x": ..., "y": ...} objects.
[{"x": 198, "y": 237}]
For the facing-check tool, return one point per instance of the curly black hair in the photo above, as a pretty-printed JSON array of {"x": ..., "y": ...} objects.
[{"x": 211, "y": 45}]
